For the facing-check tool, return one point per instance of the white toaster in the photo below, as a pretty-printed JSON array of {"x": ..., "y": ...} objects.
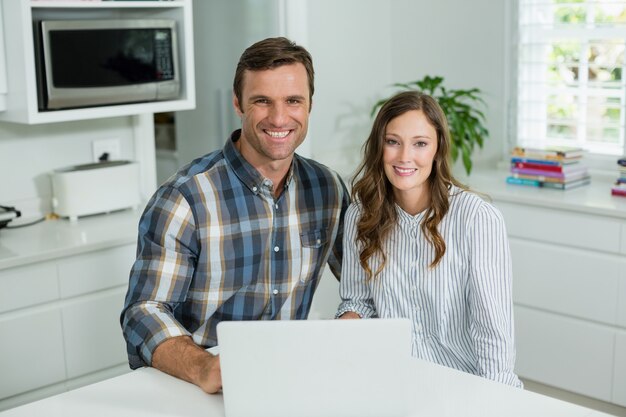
[{"x": 100, "y": 187}]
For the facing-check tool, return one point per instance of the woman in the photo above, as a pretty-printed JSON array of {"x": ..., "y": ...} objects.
[{"x": 426, "y": 248}]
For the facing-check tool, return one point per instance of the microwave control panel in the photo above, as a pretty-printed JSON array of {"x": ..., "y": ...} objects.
[{"x": 163, "y": 54}]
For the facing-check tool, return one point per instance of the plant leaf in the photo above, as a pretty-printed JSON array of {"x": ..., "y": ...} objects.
[{"x": 467, "y": 159}]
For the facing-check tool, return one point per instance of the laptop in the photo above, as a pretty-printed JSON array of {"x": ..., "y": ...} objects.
[{"x": 315, "y": 368}]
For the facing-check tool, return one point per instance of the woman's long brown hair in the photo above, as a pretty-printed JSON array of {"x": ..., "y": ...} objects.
[{"x": 372, "y": 189}]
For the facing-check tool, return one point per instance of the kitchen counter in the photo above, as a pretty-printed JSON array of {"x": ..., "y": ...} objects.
[
  {"x": 52, "y": 239},
  {"x": 594, "y": 198},
  {"x": 63, "y": 283},
  {"x": 437, "y": 391}
]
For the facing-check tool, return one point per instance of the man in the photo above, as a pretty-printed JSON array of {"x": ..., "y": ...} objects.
[{"x": 240, "y": 234}]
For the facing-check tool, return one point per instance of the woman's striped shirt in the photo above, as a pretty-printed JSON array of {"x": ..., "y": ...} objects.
[{"x": 461, "y": 310}]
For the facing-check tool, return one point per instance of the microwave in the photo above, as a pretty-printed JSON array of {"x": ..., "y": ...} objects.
[{"x": 85, "y": 63}]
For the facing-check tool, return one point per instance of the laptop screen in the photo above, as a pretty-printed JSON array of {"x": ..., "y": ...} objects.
[{"x": 313, "y": 368}]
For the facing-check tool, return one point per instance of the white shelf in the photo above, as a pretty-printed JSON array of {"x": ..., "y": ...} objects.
[
  {"x": 110, "y": 111},
  {"x": 20, "y": 100}
]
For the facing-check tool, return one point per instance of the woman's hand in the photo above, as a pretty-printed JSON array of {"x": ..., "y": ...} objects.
[{"x": 350, "y": 315}]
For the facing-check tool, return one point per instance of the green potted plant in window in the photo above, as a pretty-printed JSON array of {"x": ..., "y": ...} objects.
[{"x": 461, "y": 107}]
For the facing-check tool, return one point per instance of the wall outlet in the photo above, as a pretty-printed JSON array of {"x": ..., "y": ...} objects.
[{"x": 102, "y": 147}]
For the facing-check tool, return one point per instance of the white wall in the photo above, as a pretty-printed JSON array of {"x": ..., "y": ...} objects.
[
  {"x": 361, "y": 47},
  {"x": 29, "y": 153},
  {"x": 3, "y": 78},
  {"x": 222, "y": 31},
  {"x": 462, "y": 41},
  {"x": 350, "y": 43}
]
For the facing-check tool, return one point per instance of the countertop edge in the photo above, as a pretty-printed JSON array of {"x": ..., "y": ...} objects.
[
  {"x": 594, "y": 198},
  {"x": 55, "y": 239},
  {"x": 62, "y": 253}
]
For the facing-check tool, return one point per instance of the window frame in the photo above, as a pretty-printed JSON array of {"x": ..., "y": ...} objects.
[{"x": 598, "y": 163}]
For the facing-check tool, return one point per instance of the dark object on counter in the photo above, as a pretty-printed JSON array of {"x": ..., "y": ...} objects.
[{"x": 7, "y": 214}]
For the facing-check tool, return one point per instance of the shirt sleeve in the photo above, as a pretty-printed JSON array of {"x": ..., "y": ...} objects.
[
  {"x": 353, "y": 287},
  {"x": 161, "y": 275},
  {"x": 490, "y": 297},
  {"x": 336, "y": 254}
]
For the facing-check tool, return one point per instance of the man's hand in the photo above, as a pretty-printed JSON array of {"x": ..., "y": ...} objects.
[
  {"x": 210, "y": 379},
  {"x": 182, "y": 358},
  {"x": 350, "y": 315}
]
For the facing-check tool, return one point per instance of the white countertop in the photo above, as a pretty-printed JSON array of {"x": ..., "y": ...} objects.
[
  {"x": 437, "y": 391},
  {"x": 57, "y": 238},
  {"x": 594, "y": 198}
]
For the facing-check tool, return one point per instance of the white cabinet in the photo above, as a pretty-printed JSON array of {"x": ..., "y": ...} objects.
[
  {"x": 92, "y": 333},
  {"x": 94, "y": 271},
  {"x": 31, "y": 352},
  {"x": 562, "y": 227},
  {"x": 59, "y": 322},
  {"x": 21, "y": 95},
  {"x": 563, "y": 352},
  {"x": 567, "y": 280},
  {"x": 569, "y": 291},
  {"x": 621, "y": 302},
  {"x": 619, "y": 379},
  {"x": 28, "y": 286}
]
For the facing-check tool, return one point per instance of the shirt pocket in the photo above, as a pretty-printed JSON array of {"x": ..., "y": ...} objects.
[{"x": 314, "y": 246}]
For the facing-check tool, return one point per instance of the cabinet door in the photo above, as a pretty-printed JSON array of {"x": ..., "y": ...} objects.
[
  {"x": 31, "y": 352},
  {"x": 619, "y": 379},
  {"x": 584, "y": 231},
  {"x": 92, "y": 333},
  {"x": 564, "y": 352},
  {"x": 621, "y": 302},
  {"x": 26, "y": 286},
  {"x": 95, "y": 271},
  {"x": 566, "y": 280}
]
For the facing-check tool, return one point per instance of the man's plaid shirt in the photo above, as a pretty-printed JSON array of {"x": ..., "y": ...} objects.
[{"x": 215, "y": 245}]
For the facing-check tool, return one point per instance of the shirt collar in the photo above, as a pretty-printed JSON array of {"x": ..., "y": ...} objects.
[
  {"x": 406, "y": 219},
  {"x": 246, "y": 173}
]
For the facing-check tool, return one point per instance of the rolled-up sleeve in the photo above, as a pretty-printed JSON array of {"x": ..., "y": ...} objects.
[
  {"x": 353, "y": 288},
  {"x": 160, "y": 277},
  {"x": 490, "y": 297}
]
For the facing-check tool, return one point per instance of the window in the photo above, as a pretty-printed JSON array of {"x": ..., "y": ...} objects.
[{"x": 571, "y": 88}]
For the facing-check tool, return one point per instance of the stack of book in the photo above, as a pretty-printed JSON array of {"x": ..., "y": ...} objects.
[
  {"x": 619, "y": 188},
  {"x": 554, "y": 167}
]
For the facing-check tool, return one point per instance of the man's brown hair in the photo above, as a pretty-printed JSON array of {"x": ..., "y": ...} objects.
[{"x": 271, "y": 53}]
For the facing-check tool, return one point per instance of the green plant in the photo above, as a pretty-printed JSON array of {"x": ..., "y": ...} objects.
[{"x": 461, "y": 107}]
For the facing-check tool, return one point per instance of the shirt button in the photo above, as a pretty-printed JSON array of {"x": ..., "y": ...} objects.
[
  {"x": 276, "y": 248},
  {"x": 318, "y": 241},
  {"x": 275, "y": 292},
  {"x": 418, "y": 327},
  {"x": 413, "y": 288},
  {"x": 276, "y": 206},
  {"x": 254, "y": 189}
]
